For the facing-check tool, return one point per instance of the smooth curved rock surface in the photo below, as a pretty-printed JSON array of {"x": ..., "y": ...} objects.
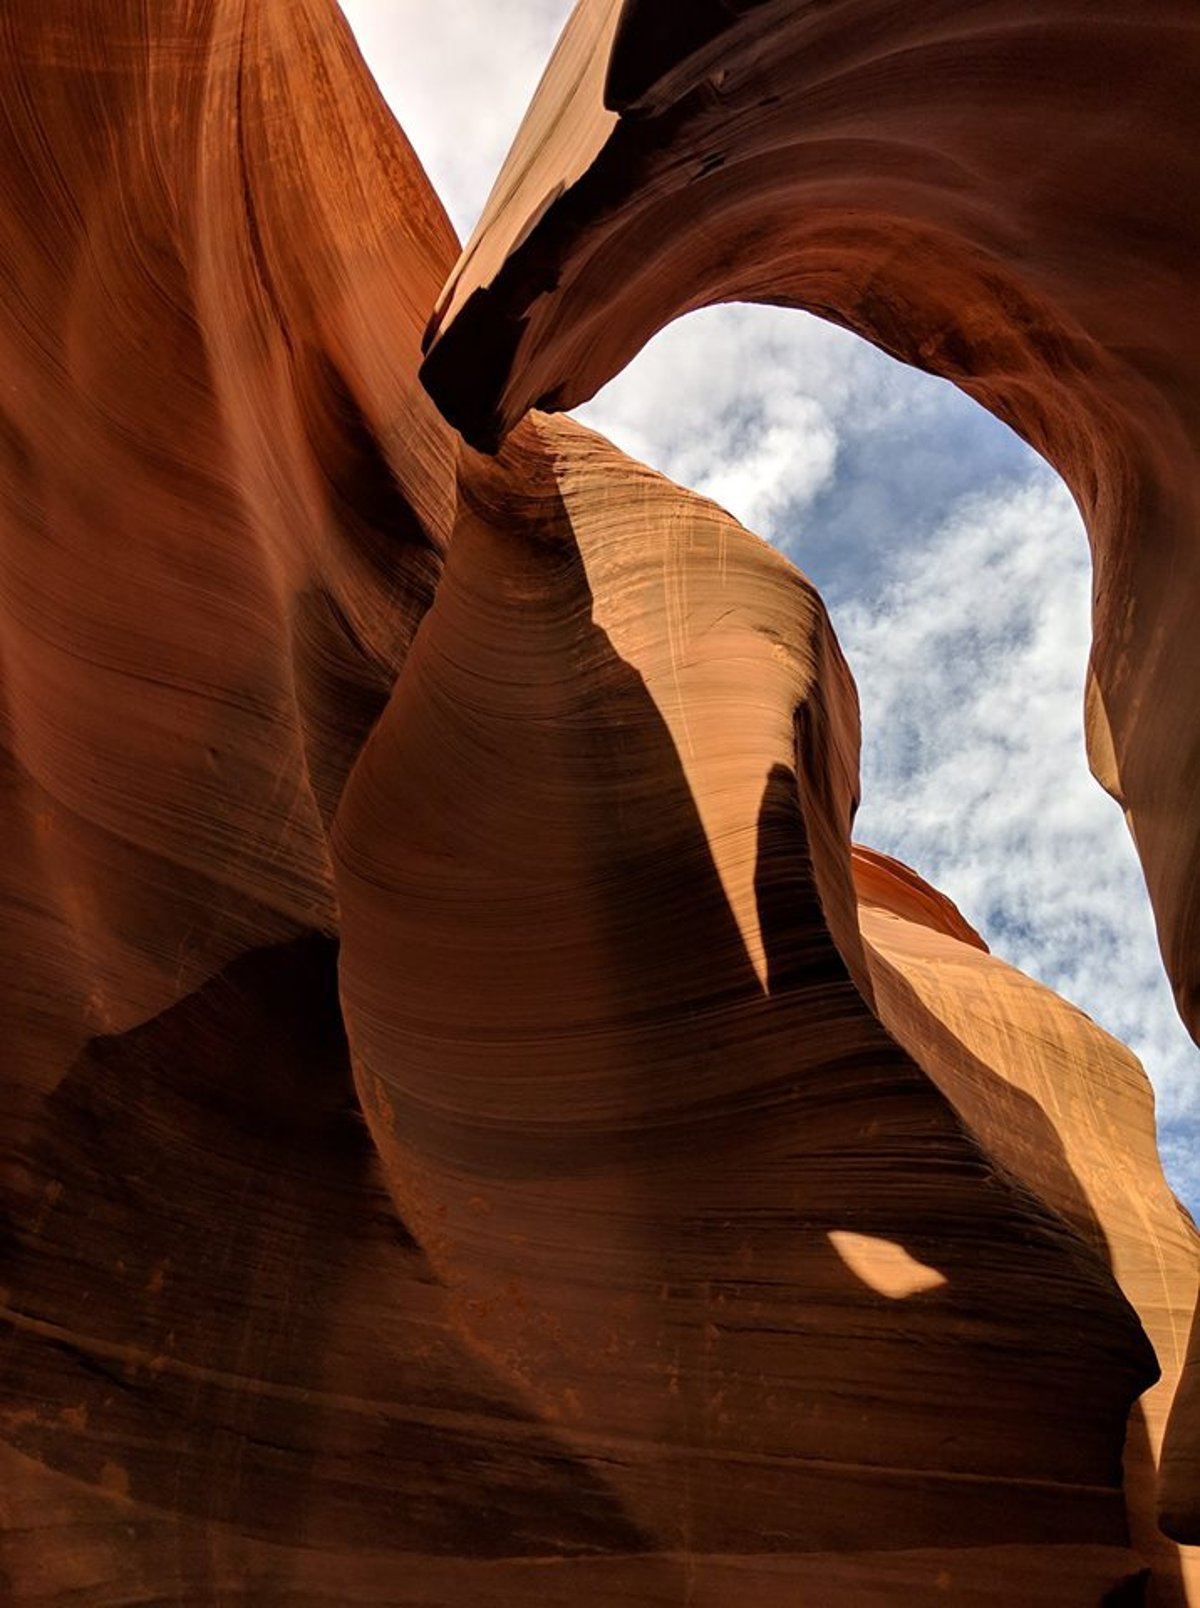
[
  {"x": 475, "y": 1130},
  {"x": 1066, "y": 1110},
  {"x": 999, "y": 194},
  {"x": 1180, "y": 1504},
  {"x": 225, "y": 498},
  {"x": 654, "y": 1060}
]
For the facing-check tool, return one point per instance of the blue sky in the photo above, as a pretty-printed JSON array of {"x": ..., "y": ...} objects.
[{"x": 952, "y": 560}]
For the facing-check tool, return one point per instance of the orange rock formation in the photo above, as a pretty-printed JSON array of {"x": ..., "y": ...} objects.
[
  {"x": 1001, "y": 195},
  {"x": 477, "y": 1132}
]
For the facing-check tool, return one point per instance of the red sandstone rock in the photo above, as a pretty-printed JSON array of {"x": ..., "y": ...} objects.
[
  {"x": 225, "y": 495},
  {"x": 1066, "y": 1110},
  {"x": 655, "y": 1061},
  {"x": 656, "y": 1200},
  {"x": 1002, "y": 195}
]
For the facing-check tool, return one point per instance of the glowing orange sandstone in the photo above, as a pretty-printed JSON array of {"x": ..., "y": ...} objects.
[{"x": 468, "y": 1106}]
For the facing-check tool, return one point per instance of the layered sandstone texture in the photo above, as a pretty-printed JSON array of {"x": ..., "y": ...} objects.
[
  {"x": 1000, "y": 193},
  {"x": 475, "y": 1129}
]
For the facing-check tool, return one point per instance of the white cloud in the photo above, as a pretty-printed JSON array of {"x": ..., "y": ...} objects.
[
  {"x": 736, "y": 409},
  {"x": 458, "y": 74},
  {"x": 805, "y": 433}
]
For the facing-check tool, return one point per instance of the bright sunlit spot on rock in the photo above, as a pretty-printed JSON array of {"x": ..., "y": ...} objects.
[{"x": 887, "y": 1268}]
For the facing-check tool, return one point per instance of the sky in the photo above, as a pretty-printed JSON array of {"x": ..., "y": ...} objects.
[{"x": 952, "y": 560}]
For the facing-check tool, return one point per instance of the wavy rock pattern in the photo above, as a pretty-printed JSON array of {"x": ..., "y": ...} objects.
[
  {"x": 974, "y": 191},
  {"x": 969, "y": 189},
  {"x": 476, "y": 1130}
]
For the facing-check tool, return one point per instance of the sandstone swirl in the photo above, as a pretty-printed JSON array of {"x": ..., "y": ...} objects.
[
  {"x": 805, "y": 1249},
  {"x": 972, "y": 190},
  {"x": 980, "y": 191},
  {"x": 475, "y": 1130}
]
